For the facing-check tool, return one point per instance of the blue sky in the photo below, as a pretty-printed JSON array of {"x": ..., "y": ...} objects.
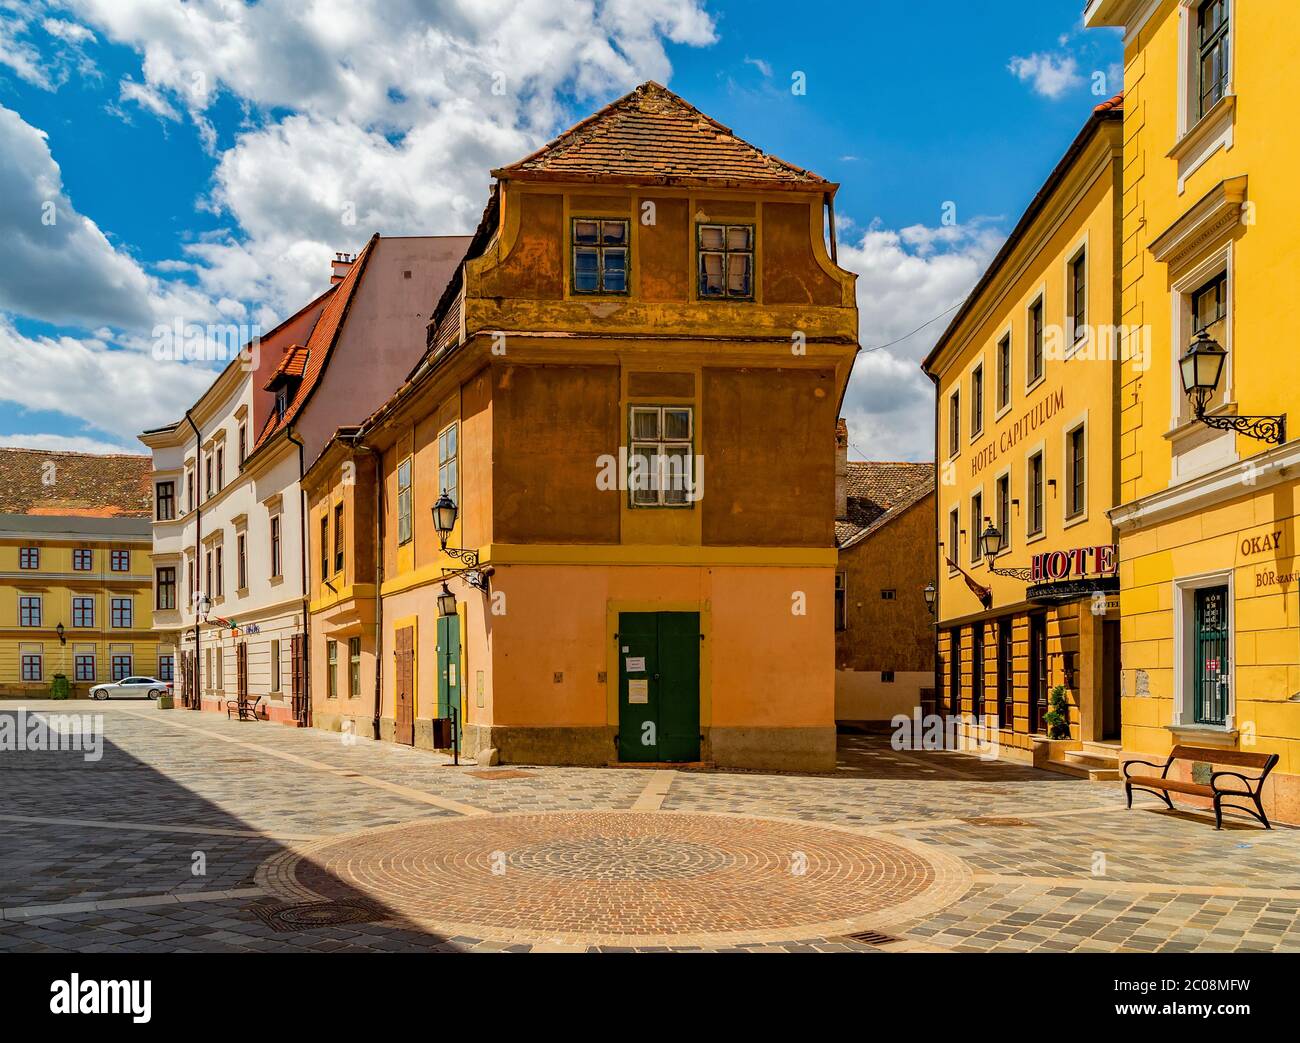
[{"x": 199, "y": 156}]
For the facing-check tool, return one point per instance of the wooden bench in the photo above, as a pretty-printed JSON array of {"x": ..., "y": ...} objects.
[
  {"x": 245, "y": 708},
  {"x": 1249, "y": 787}
]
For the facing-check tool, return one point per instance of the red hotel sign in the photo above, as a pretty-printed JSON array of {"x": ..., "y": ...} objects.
[{"x": 1053, "y": 565}]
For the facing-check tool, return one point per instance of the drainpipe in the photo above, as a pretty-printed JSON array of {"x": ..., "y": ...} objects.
[
  {"x": 357, "y": 444},
  {"x": 938, "y": 587},
  {"x": 302, "y": 543},
  {"x": 198, "y": 536}
]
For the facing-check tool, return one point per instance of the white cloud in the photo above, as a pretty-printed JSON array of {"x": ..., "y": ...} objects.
[
  {"x": 147, "y": 98},
  {"x": 907, "y": 278},
  {"x": 762, "y": 66},
  {"x": 1050, "y": 75},
  {"x": 66, "y": 444},
  {"x": 69, "y": 32}
]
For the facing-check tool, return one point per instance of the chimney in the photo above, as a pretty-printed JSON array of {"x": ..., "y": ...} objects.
[
  {"x": 342, "y": 262},
  {"x": 841, "y": 470}
]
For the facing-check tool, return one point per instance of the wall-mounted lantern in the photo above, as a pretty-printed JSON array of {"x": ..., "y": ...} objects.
[{"x": 1201, "y": 369}]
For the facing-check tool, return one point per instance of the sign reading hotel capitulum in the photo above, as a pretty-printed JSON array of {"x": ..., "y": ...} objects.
[{"x": 1012, "y": 433}]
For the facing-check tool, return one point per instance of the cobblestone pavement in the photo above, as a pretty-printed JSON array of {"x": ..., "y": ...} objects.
[{"x": 194, "y": 833}]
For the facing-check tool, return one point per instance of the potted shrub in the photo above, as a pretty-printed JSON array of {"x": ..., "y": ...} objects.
[
  {"x": 59, "y": 687},
  {"x": 1057, "y": 718}
]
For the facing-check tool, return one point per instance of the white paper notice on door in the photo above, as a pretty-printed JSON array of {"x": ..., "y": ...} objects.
[
  {"x": 638, "y": 691},
  {"x": 636, "y": 664}
]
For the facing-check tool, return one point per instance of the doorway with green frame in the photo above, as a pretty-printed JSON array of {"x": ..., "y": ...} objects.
[
  {"x": 449, "y": 678},
  {"x": 659, "y": 686}
]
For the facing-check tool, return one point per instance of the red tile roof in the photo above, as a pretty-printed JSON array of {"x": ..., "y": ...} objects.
[
  {"x": 37, "y": 481},
  {"x": 293, "y": 364},
  {"x": 878, "y": 493},
  {"x": 652, "y": 135}
]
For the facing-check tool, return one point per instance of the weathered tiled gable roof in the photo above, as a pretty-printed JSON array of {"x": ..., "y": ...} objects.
[
  {"x": 878, "y": 492},
  {"x": 36, "y": 481},
  {"x": 653, "y": 135}
]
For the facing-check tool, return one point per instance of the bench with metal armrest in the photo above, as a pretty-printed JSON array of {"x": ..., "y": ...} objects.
[
  {"x": 246, "y": 709},
  {"x": 1251, "y": 787}
]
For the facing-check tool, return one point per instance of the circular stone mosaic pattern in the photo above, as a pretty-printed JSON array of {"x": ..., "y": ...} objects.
[{"x": 624, "y": 877}]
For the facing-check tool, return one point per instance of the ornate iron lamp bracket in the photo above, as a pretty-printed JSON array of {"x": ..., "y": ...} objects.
[{"x": 1270, "y": 429}]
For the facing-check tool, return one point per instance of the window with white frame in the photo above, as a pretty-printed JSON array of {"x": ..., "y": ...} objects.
[
  {"x": 976, "y": 526},
  {"x": 32, "y": 666},
  {"x": 600, "y": 255},
  {"x": 1004, "y": 372},
  {"x": 1077, "y": 296},
  {"x": 1076, "y": 471},
  {"x": 662, "y": 461},
  {"x": 977, "y": 400},
  {"x": 954, "y": 423},
  {"x": 448, "y": 469},
  {"x": 405, "y": 530},
  {"x": 1212, "y": 54},
  {"x": 1034, "y": 348},
  {"x": 1208, "y": 308},
  {"x": 726, "y": 261},
  {"x": 1034, "y": 494},
  {"x": 1002, "y": 494}
]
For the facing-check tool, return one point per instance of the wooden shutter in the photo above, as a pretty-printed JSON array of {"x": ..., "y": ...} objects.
[{"x": 241, "y": 670}]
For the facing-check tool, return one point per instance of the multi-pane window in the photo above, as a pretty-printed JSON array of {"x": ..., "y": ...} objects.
[
  {"x": 243, "y": 443},
  {"x": 1004, "y": 371},
  {"x": 165, "y": 501},
  {"x": 166, "y": 586},
  {"x": 1034, "y": 515},
  {"x": 121, "y": 612},
  {"x": 121, "y": 667},
  {"x": 82, "y": 559},
  {"x": 976, "y": 526},
  {"x": 726, "y": 261},
  {"x": 1003, "y": 494},
  {"x": 275, "y": 666},
  {"x": 338, "y": 537},
  {"x": 29, "y": 558},
  {"x": 83, "y": 612},
  {"x": 120, "y": 561},
  {"x": 83, "y": 664},
  {"x": 207, "y": 572},
  {"x": 354, "y": 667},
  {"x": 1077, "y": 457},
  {"x": 241, "y": 560},
  {"x": 207, "y": 476},
  {"x": 954, "y": 537},
  {"x": 1035, "y": 342},
  {"x": 1079, "y": 296},
  {"x": 1212, "y": 46},
  {"x": 662, "y": 471},
  {"x": 841, "y": 601},
  {"x": 954, "y": 423},
  {"x": 29, "y": 610},
  {"x": 1006, "y": 679},
  {"x": 31, "y": 666},
  {"x": 332, "y": 669},
  {"x": 1210, "y": 307},
  {"x": 221, "y": 467},
  {"x": 221, "y": 571},
  {"x": 599, "y": 255},
  {"x": 405, "y": 533},
  {"x": 276, "y": 564},
  {"x": 977, "y": 400},
  {"x": 166, "y": 667},
  {"x": 189, "y": 490},
  {"x": 324, "y": 546},
  {"x": 448, "y": 472}
]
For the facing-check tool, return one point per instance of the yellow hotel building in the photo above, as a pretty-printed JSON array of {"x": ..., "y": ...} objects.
[
  {"x": 1207, "y": 520},
  {"x": 1026, "y": 376},
  {"x": 76, "y": 583}
]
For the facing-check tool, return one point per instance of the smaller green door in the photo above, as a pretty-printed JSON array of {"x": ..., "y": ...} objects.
[
  {"x": 449, "y": 679},
  {"x": 659, "y": 686}
]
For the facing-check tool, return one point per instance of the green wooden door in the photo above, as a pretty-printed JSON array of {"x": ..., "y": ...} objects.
[
  {"x": 659, "y": 686},
  {"x": 449, "y": 667}
]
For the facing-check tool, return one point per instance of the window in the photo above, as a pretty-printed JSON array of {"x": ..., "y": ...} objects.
[
  {"x": 332, "y": 671},
  {"x": 324, "y": 546},
  {"x": 404, "y": 531},
  {"x": 190, "y": 577},
  {"x": 122, "y": 612},
  {"x": 120, "y": 561},
  {"x": 189, "y": 490},
  {"x": 220, "y": 663},
  {"x": 977, "y": 400},
  {"x": 121, "y": 667},
  {"x": 726, "y": 261},
  {"x": 1004, "y": 372},
  {"x": 31, "y": 666},
  {"x": 83, "y": 664},
  {"x": 1212, "y": 44},
  {"x": 1079, "y": 296},
  {"x": 1035, "y": 373},
  {"x": 276, "y": 570},
  {"x": 29, "y": 610},
  {"x": 243, "y": 444},
  {"x": 83, "y": 612},
  {"x": 275, "y": 666},
  {"x": 889, "y": 594},
  {"x": 977, "y": 671},
  {"x": 1034, "y": 515},
  {"x": 281, "y": 402},
  {"x": 166, "y": 667},
  {"x": 954, "y": 423},
  {"x": 841, "y": 601},
  {"x": 1003, "y": 506},
  {"x": 954, "y": 671},
  {"x": 662, "y": 464},
  {"x": 886, "y": 677},
  {"x": 220, "y": 570},
  {"x": 241, "y": 560},
  {"x": 448, "y": 473},
  {"x": 954, "y": 533},
  {"x": 82, "y": 559},
  {"x": 1076, "y": 457},
  {"x": 165, "y": 501},
  {"x": 1006, "y": 680},
  {"x": 166, "y": 587},
  {"x": 354, "y": 667},
  {"x": 29, "y": 558},
  {"x": 207, "y": 477},
  {"x": 976, "y": 526},
  {"x": 221, "y": 467},
  {"x": 599, "y": 255},
  {"x": 338, "y": 537},
  {"x": 1211, "y": 671}
]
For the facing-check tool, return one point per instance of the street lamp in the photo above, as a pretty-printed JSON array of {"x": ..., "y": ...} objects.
[
  {"x": 59, "y": 630},
  {"x": 444, "y": 520},
  {"x": 1201, "y": 369},
  {"x": 991, "y": 545},
  {"x": 929, "y": 594},
  {"x": 446, "y": 602}
]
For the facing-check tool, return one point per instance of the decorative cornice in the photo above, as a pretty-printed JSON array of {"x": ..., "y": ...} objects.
[{"x": 1204, "y": 223}]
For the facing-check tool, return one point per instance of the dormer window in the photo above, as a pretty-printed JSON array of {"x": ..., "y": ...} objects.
[
  {"x": 599, "y": 255},
  {"x": 281, "y": 402},
  {"x": 286, "y": 378},
  {"x": 726, "y": 261}
]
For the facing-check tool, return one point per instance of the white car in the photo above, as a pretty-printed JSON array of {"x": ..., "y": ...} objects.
[{"x": 131, "y": 688}]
